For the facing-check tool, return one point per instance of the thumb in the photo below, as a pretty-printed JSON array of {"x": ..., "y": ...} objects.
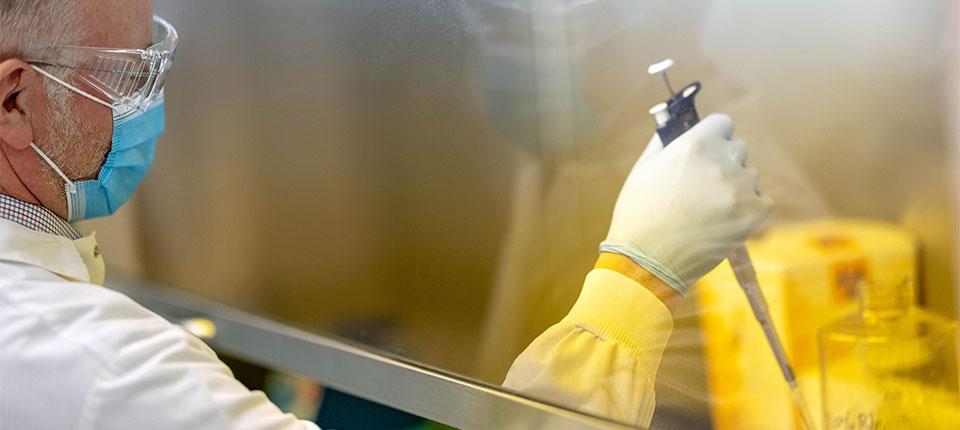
[
  {"x": 713, "y": 126},
  {"x": 653, "y": 148}
]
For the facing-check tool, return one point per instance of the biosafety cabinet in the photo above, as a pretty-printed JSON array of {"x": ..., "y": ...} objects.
[{"x": 392, "y": 199}]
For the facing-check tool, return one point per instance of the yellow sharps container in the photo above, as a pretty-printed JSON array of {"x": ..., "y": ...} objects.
[{"x": 809, "y": 274}]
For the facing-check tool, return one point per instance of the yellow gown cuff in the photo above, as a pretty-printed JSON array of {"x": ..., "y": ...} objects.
[{"x": 617, "y": 308}]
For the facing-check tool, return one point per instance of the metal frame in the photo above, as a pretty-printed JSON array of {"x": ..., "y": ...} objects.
[{"x": 429, "y": 393}]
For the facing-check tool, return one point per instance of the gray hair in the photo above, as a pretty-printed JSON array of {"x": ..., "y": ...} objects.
[
  {"x": 32, "y": 24},
  {"x": 27, "y": 24}
]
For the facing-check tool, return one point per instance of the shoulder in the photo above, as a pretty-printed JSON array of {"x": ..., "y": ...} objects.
[
  {"x": 102, "y": 320},
  {"x": 125, "y": 366},
  {"x": 62, "y": 341}
]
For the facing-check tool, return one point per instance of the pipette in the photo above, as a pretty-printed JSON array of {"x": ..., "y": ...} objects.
[{"x": 674, "y": 117}]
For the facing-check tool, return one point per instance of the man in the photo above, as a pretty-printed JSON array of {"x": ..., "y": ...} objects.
[{"x": 78, "y": 128}]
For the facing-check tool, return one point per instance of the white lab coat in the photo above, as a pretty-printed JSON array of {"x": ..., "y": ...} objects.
[{"x": 75, "y": 355}]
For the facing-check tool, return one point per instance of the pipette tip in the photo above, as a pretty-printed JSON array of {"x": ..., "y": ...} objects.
[{"x": 801, "y": 405}]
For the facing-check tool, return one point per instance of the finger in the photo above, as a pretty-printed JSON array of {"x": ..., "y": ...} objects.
[
  {"x": 751, "y": 180},
  {"x": 747, "y": 181},
  {"x": 715, "y": 125},
  {"x": 757, "y": 208},
  {"x": 738, "y": 152},
  {"x": 653, "y": 148}
]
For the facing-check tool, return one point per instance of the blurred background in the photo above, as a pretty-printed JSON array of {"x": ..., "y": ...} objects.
[{"x": 432, "y": 178}]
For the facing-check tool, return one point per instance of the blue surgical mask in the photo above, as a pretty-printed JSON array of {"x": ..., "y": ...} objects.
[{"x": 131, "y": 153}]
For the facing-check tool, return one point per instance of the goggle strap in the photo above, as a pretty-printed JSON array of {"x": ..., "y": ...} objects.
[
  {"x": 75, "y": 89},
  {"x": 70, "y": 186}
]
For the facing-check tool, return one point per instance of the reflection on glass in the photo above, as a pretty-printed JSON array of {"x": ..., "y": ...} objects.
[{"x": 432, "y": 179}]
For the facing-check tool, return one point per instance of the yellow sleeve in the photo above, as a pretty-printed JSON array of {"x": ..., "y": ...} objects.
[{"x": 602, "y": 358}]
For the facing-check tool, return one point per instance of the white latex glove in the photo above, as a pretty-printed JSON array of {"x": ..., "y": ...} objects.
[{"x": 686, "y": 207}]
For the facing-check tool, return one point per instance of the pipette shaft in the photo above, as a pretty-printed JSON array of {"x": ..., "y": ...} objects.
[{"x": 747, "y": 278}]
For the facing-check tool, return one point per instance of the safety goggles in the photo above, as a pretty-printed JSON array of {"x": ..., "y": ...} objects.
[{"x": 125, "y": 80}]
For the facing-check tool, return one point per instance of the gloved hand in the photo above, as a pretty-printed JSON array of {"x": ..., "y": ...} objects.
[{"x": 686, "y": 207}]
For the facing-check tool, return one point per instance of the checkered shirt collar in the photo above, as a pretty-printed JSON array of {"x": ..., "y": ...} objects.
[{"x": 35, "y": 217}]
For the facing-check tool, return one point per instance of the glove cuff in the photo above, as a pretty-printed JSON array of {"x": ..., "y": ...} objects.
[{"x": 641, "y": 259}]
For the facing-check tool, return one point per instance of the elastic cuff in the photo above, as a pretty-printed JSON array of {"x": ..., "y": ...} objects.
[
  {"x": 615, "y": 307},
  {"x": 651, "y": 265}
]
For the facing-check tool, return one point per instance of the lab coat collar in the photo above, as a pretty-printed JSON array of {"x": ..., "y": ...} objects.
[{"x": 77, "y": 260}]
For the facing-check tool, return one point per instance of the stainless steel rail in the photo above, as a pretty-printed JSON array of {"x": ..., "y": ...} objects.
[{"x": 429, "y": 393}]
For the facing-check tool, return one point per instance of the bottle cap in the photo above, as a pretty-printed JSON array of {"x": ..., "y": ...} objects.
[{"x": 885, "y": 297}]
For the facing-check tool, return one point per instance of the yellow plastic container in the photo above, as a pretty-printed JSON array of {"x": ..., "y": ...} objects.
[
  {"x": 809, "y": 274},
  {"x": 890, "y": 365}
]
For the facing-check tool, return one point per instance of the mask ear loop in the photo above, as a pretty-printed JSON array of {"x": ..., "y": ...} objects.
[
  {"x": 75, "y": 89},
  {"x": 71, "y": 187}
]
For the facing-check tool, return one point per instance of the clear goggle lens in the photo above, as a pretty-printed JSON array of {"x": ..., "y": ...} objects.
[{"x": 125, "y": 79}]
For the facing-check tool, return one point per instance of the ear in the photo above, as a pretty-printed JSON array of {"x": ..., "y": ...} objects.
[{"x": 16, "y": 80}]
